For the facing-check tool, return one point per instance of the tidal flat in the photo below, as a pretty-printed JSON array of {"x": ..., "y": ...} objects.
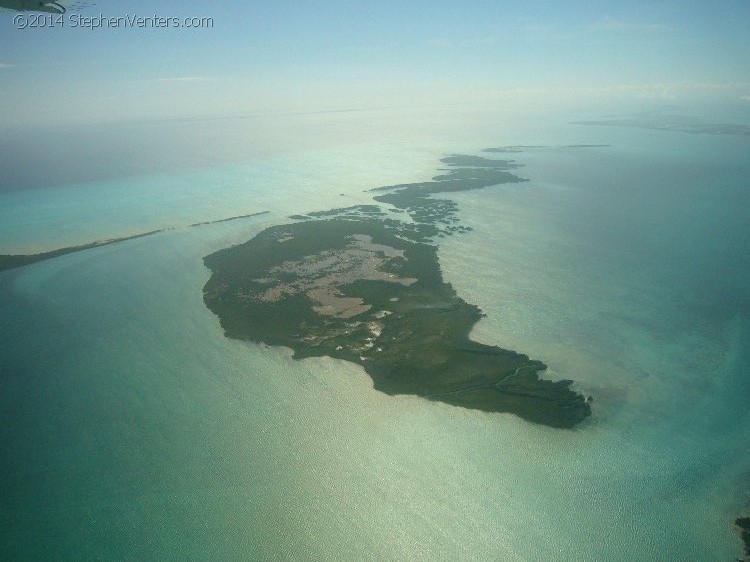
[{"x": 360, "y": 285}]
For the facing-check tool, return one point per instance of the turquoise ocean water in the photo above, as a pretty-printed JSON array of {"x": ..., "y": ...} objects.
[{"x": 132, "y": 429}]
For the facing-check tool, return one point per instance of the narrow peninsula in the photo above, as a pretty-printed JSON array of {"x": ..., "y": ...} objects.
[
  {"x": 14, "y": 261},
  {"x": 363, "y": 284},
  {"x": 20, "y": 260}
]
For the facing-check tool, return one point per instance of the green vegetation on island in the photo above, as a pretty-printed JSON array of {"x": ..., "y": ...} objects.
[{"x": 359, "y": 285}]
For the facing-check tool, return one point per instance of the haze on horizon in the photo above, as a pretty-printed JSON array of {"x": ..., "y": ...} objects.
[{"x": 287, "y": 56}]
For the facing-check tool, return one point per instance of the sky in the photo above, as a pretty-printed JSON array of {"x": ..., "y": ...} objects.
[{"x": 286, "y": 56}]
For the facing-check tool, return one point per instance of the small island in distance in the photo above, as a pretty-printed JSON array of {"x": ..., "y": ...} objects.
[
  {"x": 659, "y": 121},
  {"x": 360, "y": 285}
]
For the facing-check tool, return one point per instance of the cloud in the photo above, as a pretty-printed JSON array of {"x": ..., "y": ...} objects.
[
  {"x": 185, "y": 79},
  {"x": 745, "y": 98},
  {"x": 609, "y": 23},
  {"x": 446, "y": 43},
  {"x": 5, "y": 65},
  {"x": 441, "y": 43}
]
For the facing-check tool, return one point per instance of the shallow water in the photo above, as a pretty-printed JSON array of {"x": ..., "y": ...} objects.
[{"x": 133, "y": 429}]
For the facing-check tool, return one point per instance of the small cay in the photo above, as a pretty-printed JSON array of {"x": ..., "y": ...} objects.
[{"x": 743, "y": 523}]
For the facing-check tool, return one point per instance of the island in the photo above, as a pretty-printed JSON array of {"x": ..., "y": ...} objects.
[{"x": 363, "y": 284}]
